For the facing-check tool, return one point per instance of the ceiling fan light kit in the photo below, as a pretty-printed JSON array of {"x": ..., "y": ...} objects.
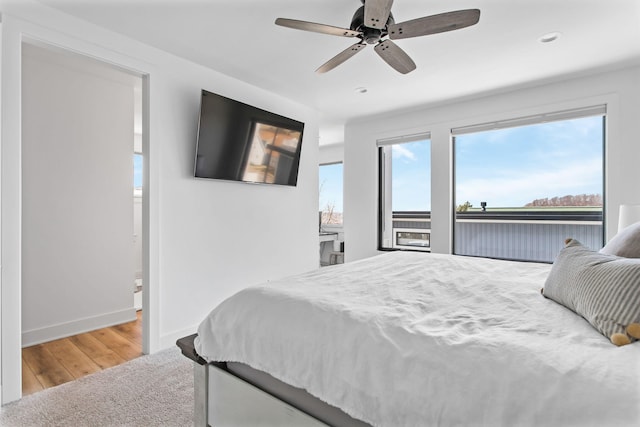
[{"x": 373, "y": 21}]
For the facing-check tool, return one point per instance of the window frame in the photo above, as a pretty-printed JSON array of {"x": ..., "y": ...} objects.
[{"x": 384, "y": 184}]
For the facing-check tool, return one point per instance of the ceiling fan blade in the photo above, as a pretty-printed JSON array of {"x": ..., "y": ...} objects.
[
  {"x": 394, "y": 56},
  {"x": 341, "y": 57},
  {"x": 376, "y": 13},
  {"x": 316, "y": 28},
  {"x": 434, "y": 24}
]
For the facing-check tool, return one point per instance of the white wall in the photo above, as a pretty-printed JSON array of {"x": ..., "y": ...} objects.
[
  {"x": 77, "y": 222},
  {"x": 203, "y": 239},
  {"x": 619, "y": 90},
  {"x": 331, "y": 153}
]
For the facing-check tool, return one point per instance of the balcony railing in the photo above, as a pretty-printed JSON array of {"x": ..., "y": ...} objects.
[{"x": 535, "y": 235}]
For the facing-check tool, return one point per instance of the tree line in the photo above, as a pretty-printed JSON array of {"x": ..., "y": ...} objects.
[{"x": 569, "y": 200}]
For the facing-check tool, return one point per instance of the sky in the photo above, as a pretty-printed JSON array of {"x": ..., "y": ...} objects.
[
  {"x": 411, "y": 177},
  {"x": 505, "y": 168},
  {"x": 330, "y": 181},
  {"x": 137, "y": 171},
  {"x": 512, "y": 167}
]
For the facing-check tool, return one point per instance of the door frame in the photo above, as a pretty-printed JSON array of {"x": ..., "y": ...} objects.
[{"x": 14, "y": 33}]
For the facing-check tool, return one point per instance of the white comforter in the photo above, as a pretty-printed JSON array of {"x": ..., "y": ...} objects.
[{"x": 413, "y": 339}]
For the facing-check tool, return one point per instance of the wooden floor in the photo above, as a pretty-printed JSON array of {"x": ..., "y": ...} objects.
[{"x": 60, "y": 361}]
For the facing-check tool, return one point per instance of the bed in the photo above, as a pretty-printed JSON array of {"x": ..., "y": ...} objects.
[{"x": 410, "y": 339}]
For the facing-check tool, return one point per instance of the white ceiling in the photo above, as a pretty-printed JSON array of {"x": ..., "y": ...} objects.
[{"x": 239, "y": 38}]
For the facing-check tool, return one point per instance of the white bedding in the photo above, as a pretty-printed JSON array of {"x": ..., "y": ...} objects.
[{"x": 413, "y": 339}]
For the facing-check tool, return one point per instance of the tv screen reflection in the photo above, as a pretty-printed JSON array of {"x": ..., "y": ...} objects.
[{"x": 271, "y": 155}]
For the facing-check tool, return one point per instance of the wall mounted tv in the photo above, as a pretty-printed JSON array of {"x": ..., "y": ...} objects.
[{"x": 238, "y": 142}]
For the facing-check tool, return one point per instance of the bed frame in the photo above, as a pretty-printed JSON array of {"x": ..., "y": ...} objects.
[{"x": 223, "y": 398}]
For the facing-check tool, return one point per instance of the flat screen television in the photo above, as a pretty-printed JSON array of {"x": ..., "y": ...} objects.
[{"x": 238, "y": 142}]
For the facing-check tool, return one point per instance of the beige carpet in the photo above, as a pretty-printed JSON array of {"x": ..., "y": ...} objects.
[{"x": 154, "y": 390}]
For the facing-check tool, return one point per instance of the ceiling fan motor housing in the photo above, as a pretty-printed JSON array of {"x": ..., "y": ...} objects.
[{"x": 369, "y": 35}]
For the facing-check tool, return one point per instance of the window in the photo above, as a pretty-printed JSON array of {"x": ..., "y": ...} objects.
[
  {"x": 330, "y": 181},
  {"x": 137, "y": 171},
  {"x": 523, "y": 186},
  {"x": 405, "y": 193}
]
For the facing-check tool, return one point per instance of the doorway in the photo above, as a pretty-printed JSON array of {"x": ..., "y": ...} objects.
[{"x": 81, "y": 119}]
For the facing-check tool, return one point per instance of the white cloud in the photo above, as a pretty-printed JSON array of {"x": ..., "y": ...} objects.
[
  {"x": 400, "y": 152},
  {"x": 517, "y": 187}
]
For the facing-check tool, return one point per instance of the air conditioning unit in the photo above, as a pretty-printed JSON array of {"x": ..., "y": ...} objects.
[{"x": 412, "y": 238}]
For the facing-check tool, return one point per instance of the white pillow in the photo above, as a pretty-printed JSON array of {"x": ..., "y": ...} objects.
[{"x": 626, "y": 243}]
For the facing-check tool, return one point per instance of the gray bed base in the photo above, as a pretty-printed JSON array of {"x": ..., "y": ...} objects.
[{"x": 234, "y": 394}]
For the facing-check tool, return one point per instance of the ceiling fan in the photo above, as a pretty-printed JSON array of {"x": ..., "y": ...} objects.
[{"x": 373, "y": 21}]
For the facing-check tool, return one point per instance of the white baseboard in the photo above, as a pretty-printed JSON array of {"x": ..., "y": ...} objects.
[{"x": 75, "y": 327}]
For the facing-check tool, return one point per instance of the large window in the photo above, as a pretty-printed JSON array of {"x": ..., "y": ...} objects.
[
  {"x": 405, "y": 193},
  {"x": 330, "y": 180},
  {"x": 523, "y": 186}
]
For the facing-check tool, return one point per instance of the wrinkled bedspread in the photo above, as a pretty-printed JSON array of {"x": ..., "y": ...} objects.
[{"x": 414, "y": 339}]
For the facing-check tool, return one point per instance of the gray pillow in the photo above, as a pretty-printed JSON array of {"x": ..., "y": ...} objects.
[
  {"x": 604, "y": 289},
  {"x": 626, "y": 243}
]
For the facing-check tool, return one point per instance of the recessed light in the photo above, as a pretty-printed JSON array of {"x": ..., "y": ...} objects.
[
  {"x": 361, "y": 90},
  {"x": 549, "y": 37}
]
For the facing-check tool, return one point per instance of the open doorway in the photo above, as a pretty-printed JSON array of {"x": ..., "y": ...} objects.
[{"x": 81, "y": 253}]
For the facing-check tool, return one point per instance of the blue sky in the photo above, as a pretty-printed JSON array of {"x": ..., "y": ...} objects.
[
  {"x": 411, "y": 176},
  {"x": 137, "y": 170},
  {"x": 514, "y": 166},
  {"x": 505, "y": 168},
  {"x": 330, "y": 181}
]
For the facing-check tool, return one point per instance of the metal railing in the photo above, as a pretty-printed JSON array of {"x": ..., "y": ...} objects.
[{"x": 527, "y": 235}]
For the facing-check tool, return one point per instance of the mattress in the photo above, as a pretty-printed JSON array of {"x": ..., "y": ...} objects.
[{"x": 428, "y": 339}]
